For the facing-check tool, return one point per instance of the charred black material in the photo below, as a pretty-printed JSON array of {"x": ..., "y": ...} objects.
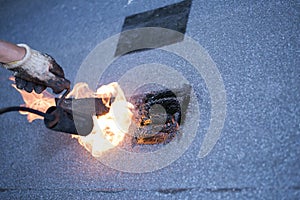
[
  {"x": 160, "y": 125},
  {"x": 63, "y": 121},
  {"x": 168, "y": 100}
]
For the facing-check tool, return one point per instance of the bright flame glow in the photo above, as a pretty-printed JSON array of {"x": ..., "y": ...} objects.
[{"x": 109, "y": 129}]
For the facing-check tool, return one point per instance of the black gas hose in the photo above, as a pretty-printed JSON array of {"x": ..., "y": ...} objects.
[{"x": 20, "y": 108}]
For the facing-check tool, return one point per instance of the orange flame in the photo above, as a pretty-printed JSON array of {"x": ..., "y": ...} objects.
[{"x": 109, "y": 129}]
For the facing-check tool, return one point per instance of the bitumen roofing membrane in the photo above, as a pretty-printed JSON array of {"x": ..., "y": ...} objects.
[{"x": 255, "y": 48}]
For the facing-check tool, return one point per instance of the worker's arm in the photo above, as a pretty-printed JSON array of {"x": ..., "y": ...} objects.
[
  {"x": 10, "y": 52},
  {"x": 33, "y": 70}
]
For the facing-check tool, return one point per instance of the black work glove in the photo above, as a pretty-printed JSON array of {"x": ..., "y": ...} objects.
[{"x": 36, "y": 71}]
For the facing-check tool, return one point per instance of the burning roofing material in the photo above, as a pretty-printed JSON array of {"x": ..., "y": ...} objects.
[
  {"x": 100, "y": 120},
  {"x": 158, "y": 115}
]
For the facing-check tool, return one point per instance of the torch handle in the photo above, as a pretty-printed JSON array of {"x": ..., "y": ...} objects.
[{"x": 87, "y": 106}]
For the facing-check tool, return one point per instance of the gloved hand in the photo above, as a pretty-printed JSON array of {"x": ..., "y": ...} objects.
[{"x": 36, "y": 71}]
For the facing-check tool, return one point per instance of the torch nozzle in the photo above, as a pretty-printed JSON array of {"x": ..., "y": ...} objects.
[
  {"x": 74, "y": 116},
  {"x": 69, "y": 122}
]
